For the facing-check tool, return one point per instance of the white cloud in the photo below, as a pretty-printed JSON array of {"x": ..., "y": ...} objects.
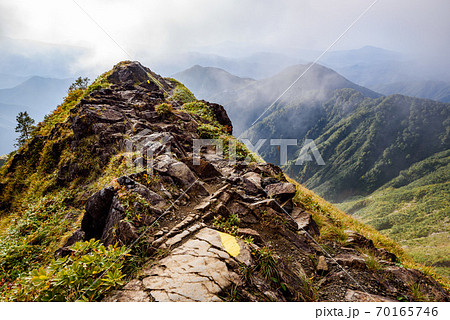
[{"x": 161, "y": 27}]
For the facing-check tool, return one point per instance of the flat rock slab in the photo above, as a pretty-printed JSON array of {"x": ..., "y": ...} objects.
[
  {"x": 305, "y": 221},
  {"x": 198, "y": 270},
  {"x": 359, "y": 296},
  {"x": 282, "y": 190},
  {"x": 351, "y": 260}
]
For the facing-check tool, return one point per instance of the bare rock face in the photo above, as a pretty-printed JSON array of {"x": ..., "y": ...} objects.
[
  {"x": 221, "y": 115},
  {"x": 322, "y": 266},
  {"x": 359, "y": 296},
  {"x": 282, "y": 190},
  {"x": 198, "y": 270},
  {"x": 180, "y": 172},
  {"x": 132, "y": 292},
  {"x": 97, "y": 209},
  {"x": 252, "y": 183},
  {"x": 357, "y": 240},
  {"x": 351, "y": 261},
  {"x": 305, "y": 222}
]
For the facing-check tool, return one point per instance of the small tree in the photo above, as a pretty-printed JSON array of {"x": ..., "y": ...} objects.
[
  {"x": 80, "y": 83},
  {"x": 25, "y": 124}
]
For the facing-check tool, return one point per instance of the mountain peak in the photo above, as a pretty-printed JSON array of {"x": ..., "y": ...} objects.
[{"x": 128, "y": 71}]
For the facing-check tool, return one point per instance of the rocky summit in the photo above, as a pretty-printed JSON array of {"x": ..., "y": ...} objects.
[{"x": 118, "y": 162}]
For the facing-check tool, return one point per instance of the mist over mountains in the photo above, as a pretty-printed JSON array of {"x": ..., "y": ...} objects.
[
  {"x": 386, "y": 157},
  {"x": 246, "y": 103},
  {"x": 36, "y": 95}
]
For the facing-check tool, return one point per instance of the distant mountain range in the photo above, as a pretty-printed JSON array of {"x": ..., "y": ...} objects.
[
  {"x": 37, "y": 95},
  {"x": 258, "y": 65},
  {"x": 435, "y": 90},
  {"x": 208, "y": 82},
  {"x": 246, "y": 103},
  {"x": 386, "y": 157},
  {"x": 380, "y": 70},
  {"x": 10, "y": 80}
]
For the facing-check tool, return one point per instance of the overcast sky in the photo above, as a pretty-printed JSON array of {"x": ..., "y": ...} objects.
[{"x": 156, "y": 28}]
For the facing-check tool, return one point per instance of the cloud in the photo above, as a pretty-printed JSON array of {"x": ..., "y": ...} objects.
[{"x": 158, "y": 29}]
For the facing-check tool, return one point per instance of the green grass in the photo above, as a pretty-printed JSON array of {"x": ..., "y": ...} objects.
[
  {"x": 328, "y": 216},
  {"x": 413, "y": 210},
  {"x": 432, "y": 250},
  {"x": 181, "y": 94},
  {"x": 30, "y": 236},
  {"x": 228, "y": 225}
]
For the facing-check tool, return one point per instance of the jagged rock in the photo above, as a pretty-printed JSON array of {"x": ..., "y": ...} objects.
[
  {"x": 78, "y": 235},
  {"x": 305, "y": 222},
  {"x": 269, "y": 180},
  {"x": 266, "y": 203},
  {"x": 115, "y": 215},
  {"x": 205, "y": 170},
  {"x": 127, "y": 232},
  {"x": 386, "y": 255},
  {"x": 351, "y": 260},
  {"x": 155, "y": 144},
  {"x": 186, "y": 222},
  {"x": 181, "y": 236},
  {"x": 203, "y": 206},
  {"x": 252, "y": 182},
  {"x": 322, "y": 266},
  {"x": 282, "y": 191},
  {"x": 288, "y": 206},
  {"x": 244, "y": 212},
  {"x": 359, "y": 296},
  {"x": 222, "y": 210},
  {"x": 247, "y": 232},
  {"x": 219, "y": 192},
  {"x": 221, "y": 115},
  {"x": 97, "y": 209},
  {"x": 152, "y": 197},
  {"x": 179, "y": 172},
  {"x": 356, "y": 240},
  {"x": 234, "y": 179}
]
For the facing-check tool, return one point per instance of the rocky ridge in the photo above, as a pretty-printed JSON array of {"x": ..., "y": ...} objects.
[{"x": 217, "y": 231}]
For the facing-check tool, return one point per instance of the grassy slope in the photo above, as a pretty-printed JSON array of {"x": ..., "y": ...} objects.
[
  {"x": 368, "y": 147},
  {"x": 413, "y": 210}
]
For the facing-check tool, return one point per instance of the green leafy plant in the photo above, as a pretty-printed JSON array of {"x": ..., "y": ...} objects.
[
  {"x": 417, "y": 292},
  {"x": 181, "y": 94},
  {"x": 87, "y": 274},
  {"x": 163, "y": 109},
  {"x": 202, "y": 110},
  {"x": 229, "y": 225},
  {"x": 267, "y": 264},
  {"x": 308, "y": 290},
  {"x": 207, "y": 131}
]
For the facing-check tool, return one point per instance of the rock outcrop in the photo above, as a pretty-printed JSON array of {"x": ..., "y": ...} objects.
[{"x": 220, "y": 230}]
